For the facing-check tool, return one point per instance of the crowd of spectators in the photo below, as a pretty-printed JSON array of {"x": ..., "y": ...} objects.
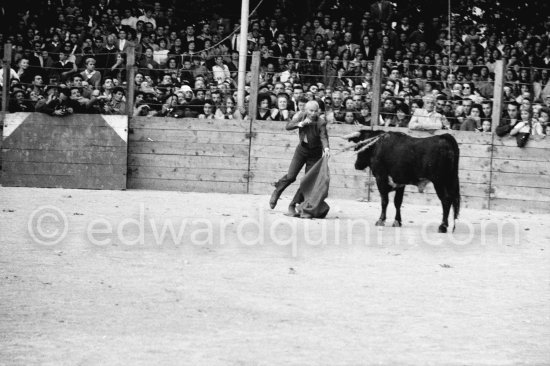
[{"x": 75, "y": 61}]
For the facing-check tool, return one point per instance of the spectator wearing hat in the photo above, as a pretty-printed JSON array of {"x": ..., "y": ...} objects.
[{"x": 20, "y": 103}]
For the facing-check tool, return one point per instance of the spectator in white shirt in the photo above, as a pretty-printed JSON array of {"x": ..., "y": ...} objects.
[
  {"x": 220, "y": 70},
  {"x": 426, "y": 118},
  {"x": 129, "y": 20},
  {"x": 148, "y": 18}
]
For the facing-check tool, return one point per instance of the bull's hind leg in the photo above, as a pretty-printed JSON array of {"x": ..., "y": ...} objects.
[
  {"x": 446, "y": 202},
  {"x": 397, "y": 201},
  {"x": 384, "y": 191}
]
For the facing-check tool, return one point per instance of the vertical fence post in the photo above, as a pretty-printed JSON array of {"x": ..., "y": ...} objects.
[
  {"x": 376, "y": 88},
  {"x": 130, "y": 76},
  {"x": 5, "y": 93},
  {"x": 6, "y": 79},
  {"x": 254, "y": 85},
  {"x": 497, "y": 94},
  {"x": 252, "y": 108}
]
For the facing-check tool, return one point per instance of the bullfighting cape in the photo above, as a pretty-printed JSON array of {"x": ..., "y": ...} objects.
[{"x": 314, "y": 186}]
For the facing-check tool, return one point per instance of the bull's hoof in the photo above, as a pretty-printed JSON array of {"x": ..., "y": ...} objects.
[
  {"x": 396, "y": 224},
  {"x": 442, "y": 228},
  {"x": 380, "y": 223}
]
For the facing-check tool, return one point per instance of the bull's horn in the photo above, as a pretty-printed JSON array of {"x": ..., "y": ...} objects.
[
  {"x": 369, "y": 143},
  {"x": 351, "y": 135}
]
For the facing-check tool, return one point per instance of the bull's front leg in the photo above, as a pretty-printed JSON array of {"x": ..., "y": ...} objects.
[{"x": 384, "y": 190}]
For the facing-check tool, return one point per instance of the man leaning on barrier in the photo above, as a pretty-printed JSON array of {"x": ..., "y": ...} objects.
[{"x": 312, "y": 147}]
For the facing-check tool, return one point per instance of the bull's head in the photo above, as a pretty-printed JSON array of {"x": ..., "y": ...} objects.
[{"x": 364, "y": 145}]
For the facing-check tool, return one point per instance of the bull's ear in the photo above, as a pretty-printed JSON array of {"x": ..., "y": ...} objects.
[{"x": 353, "y": 137}]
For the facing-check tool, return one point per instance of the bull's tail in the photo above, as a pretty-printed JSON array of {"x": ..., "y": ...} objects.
[
  {"x": 454, "y": 183},
  {"x": 456, "y": 197}
]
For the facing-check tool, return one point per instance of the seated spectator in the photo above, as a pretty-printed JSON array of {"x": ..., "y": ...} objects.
[
  {"x": 147, "y": 64},
  {"x": 228, "y": 110},
  {"x": 523, "y": 128},
  {"x": 541, "y": 124},
  {"x": 485, "y": 126},
  {"x": 208, "y": 110},
  {"x": 116, "y": 105},
  {"x": 473, "y": 121},
  {"x": 507, "y": 124},
  {"x": 63, "y": 69},
  {"x": 426, "y": 118},
  {"x": 20, "y": 103},
  {"x": 264, "y": 108},
  {"x": 90, "y": 74},
  {"x": 220, "y": 70},
  {"x": 350, "y": 118},
  {"x": 141, "y": 106},
  {"x": 58, "y": 102},
  {"x": 402, "y": 117},
  {"x": 80, "y": 103},
  {"x": 281, "y": 112}
]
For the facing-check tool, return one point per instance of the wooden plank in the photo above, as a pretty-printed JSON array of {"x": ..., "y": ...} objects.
[
  {"x": 284, "y": 148},
  {"x": 518, "y": 166},
  {"x": 521, "y": 193},
  {"x": 339, "y": 181},
  {"x": 167, "y": 123},
  {"x": 414, "y": 198},
  {"x": 521, "y": 180},
  {"x": 460, "y": 136},
  {"x": 42, "y": 136},
  {"x": 523, "y": 154},
  {"x": 177, "y": 161},
  {"x": 190, "y": 174},
  {"x": 411, "y": 198},
  {"x": 533, "y": 143},
  {"x": 186, "y": 186},
  {"x": 520, "y": 205},
  {"x": 77, "y": 124},
  {"x": 281, "y": 163},
  {"x": 153, "y": 135},
  {"x": 55, "y": 181},
  {"x": 117, "y": 157},
  {"x": 334, "y": 192},
  {"x": 187, "y": 148},
  {"x": 73, "y": 120},
  {"x": 67, "y": 169}
]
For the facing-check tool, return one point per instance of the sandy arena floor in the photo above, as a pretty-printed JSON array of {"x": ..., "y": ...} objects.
[{"x": 235, "y": 283}]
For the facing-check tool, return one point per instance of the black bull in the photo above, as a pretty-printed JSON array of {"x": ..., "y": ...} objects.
[{"x": 397, "y": 159}]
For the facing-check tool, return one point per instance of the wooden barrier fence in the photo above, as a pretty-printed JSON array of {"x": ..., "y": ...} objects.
[
  {"x": 188, "y": 154},
  {"x": 228, "y": 156},
  {"x": 77, "y": 151},
  {"x": 242, "y": 157}
]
